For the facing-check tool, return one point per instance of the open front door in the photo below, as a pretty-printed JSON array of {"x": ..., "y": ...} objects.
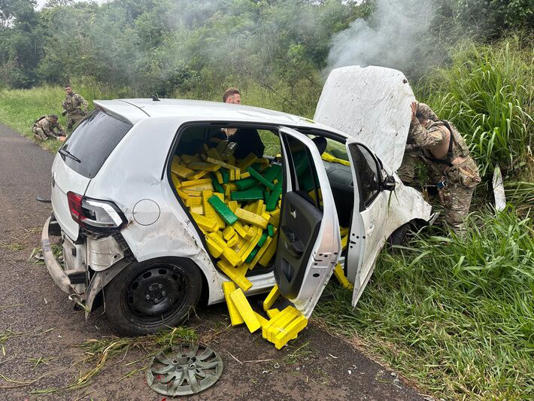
[
  {"x": 308, "y": 242},
  {"x": 369, "y": 220}
]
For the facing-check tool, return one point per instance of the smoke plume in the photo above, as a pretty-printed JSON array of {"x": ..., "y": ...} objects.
[{"x": 392, "y": 37}]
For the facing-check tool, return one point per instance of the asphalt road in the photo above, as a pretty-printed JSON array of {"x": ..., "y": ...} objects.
[{"x": 40, "y": 332}]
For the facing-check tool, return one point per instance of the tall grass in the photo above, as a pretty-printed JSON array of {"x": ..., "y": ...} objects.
[
  {"x": 456, "y": 314},
  {"x": 488, "y": 93},
  {"x": 19, "y": 108}
]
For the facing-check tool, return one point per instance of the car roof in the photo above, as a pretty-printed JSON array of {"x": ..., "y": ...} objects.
[{"x": 135, "y": 110}]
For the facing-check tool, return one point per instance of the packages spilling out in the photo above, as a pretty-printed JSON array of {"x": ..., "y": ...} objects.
[{"x": 236, "y": 205}]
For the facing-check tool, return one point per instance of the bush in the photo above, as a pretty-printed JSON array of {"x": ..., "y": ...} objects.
[{"x": 487, "y": 93}]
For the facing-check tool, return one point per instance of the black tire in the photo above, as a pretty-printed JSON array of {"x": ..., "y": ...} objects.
[
  {"x": 148, "y": 296},
  {"x": 400, "y": 235}
]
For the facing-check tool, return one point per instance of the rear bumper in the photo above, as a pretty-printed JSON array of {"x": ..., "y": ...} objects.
[{"x": 54, "y": 268}]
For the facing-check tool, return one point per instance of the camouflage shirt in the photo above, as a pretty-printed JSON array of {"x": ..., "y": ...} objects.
[
  {"x": 75, "y": 104},
  {"x": 49, "y": 128},
  {"x": 435, "y": 134}
]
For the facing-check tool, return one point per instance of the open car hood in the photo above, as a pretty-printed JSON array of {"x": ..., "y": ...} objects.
[{"x": 371, "y": 104}]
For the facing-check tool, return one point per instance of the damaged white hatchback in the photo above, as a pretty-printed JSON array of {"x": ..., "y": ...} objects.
[{"x": 130, "y": 242}]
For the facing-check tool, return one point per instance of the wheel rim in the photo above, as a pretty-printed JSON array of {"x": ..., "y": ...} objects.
[
  {"x": 157, "y": 292},
  {"x": 184, "y": 370}
]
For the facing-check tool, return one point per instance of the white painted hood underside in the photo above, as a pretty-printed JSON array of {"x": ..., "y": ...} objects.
[{"x": 371, "y": 104}]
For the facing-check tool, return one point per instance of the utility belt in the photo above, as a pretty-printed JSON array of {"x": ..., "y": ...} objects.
[{"x": 466, "y": 172}]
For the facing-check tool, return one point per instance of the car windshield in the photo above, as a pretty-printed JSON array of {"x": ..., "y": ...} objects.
[{"x": 92, "y": 142}]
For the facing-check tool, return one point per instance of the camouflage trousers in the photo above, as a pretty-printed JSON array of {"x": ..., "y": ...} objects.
[
  {"x": 460, "y": 182},
  {"x": 406, "y": 171},
  {"x": 74, "y": 118},
  {"x": 39, "y": 134}
]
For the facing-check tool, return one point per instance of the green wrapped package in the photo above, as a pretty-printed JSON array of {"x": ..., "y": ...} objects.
[{"x": 224, "y": 211}]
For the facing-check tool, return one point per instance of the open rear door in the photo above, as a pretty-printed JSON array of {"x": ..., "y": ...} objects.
[{"x": 308, "y": 242}]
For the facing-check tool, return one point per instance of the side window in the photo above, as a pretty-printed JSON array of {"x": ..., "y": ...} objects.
[
  {"x": 271, "y": 142},
  {"x": 304, "y": 174},
  {"x": 368, "y": 174}
]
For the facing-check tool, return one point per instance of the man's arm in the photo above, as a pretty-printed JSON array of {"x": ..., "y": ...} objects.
[
  {"x": 82, "y": 102},
  {"x": 423, "y": 138},
  {"x": 60, "y": 131}
]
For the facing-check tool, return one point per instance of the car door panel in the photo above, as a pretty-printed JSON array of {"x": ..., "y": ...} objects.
[
  {"x": 299, "y": 226},
  {"x": 309, "y": 243},
  {"x": 370, "y": 212}
]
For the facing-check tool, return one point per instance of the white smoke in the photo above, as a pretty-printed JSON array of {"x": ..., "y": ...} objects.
[{"x": 390, "y": 38}]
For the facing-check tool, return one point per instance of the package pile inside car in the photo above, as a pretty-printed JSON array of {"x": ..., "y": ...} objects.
[{"x": 236, "y": 204}]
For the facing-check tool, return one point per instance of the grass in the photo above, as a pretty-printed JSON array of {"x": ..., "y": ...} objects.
[
  {"x": 488, "y": 93},
  {"x": 455, "y": 315},
  {"x": 100, "y": 353},
  {"x": 19, "y": 108}
]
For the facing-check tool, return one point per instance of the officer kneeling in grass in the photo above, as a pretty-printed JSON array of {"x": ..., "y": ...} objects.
[
  {"x": 443, "y": 150},
  {"x": 48, "y": 127}
]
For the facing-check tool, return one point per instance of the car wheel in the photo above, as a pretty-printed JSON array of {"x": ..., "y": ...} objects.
[
  {"x": 400, "y": 235},
  {"x": 152, "y": 295}
]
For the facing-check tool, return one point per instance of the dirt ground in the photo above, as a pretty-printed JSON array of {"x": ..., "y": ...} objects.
[{"x": 40, "y": 331}]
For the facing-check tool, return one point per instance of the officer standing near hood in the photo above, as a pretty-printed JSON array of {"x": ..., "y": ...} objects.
[{"x": 445, "y": 153}]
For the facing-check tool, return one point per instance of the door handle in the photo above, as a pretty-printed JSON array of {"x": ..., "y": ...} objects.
[{"x": 292, "y": 243}]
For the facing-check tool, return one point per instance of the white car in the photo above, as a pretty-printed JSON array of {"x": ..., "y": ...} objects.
[{"x": 127, "y": 236}]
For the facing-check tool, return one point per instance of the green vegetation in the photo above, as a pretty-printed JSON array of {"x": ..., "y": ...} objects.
[
  {"x": 488, "y": 93},
  {"x": 454, "y": 314}
]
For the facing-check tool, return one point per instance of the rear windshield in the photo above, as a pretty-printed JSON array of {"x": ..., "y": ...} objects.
[{"x": 92, "y": 142}]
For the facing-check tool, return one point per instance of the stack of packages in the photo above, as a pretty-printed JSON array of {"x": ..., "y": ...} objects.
[{"x": 236, "y": 205}]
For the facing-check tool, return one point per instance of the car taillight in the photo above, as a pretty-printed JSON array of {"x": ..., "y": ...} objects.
[
  {"x": 94, "y": 214},
  {"x": 75, "y": 207}
]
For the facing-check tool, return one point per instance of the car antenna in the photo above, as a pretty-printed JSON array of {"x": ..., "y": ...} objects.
[{"x": 155, "y": 98}]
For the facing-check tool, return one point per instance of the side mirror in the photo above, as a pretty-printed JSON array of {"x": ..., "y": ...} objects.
[{"x": 389, "y": 183}]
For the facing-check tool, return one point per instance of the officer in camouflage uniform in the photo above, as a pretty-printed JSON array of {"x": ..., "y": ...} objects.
[
  {"x": 48, "y": 127},
  {"x": 75, "y": 107},
  {"x": 445, "y": 153}
]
